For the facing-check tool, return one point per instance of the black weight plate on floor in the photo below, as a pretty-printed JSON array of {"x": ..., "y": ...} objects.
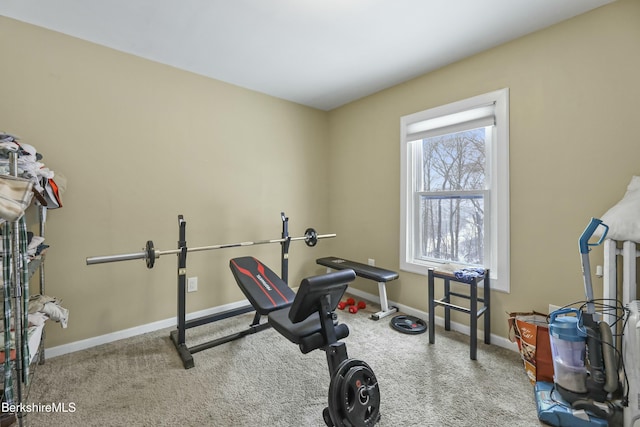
[{"x": 408, "y": 324}]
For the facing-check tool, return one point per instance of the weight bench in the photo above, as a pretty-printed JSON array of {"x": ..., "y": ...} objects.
[
  {"x": 379, "y": 275},
  {"x": 308, "y": 319}
]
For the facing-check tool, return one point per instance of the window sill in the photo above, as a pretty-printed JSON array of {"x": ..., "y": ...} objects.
[{"x": 422, "y": 268}]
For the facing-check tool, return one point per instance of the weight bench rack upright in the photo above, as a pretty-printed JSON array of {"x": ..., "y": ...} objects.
[
  {"x": 178, "y": 335},
  {"x": 379, "y": 275}
]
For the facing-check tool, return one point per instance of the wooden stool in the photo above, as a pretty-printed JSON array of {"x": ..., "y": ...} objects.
[{"x": 473, "y": 311}]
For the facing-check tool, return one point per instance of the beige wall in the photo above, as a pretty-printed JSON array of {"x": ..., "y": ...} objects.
[
  {"x": 574, "y": 104},
  {"x": 141, "y": 143}
]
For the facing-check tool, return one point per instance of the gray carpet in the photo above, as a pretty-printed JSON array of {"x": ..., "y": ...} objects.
[{"x": 264, "y": 380}]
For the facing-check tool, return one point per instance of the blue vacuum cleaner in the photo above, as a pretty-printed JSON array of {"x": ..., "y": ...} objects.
[
  {"x": 585, "y": 369},
  {"x": 555, "y": 411}
]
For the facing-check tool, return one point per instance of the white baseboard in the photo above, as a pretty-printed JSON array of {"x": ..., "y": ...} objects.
[
  {"x": 137, "y": 330},
  {"x": 171, "y": 322}
]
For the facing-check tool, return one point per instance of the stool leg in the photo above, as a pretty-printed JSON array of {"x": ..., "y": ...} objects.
[
  {"x": 432, "y": 308},
  {"x": 487, "y": 312},
  {"x": 473, "y": 311},
  {"x": 447, "y": 309}
]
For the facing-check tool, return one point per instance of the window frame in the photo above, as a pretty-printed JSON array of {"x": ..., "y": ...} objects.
[{"x": 497, "y": 178}]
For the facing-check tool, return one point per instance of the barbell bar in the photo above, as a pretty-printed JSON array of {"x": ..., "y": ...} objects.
[{"x": 150, "y": 254}]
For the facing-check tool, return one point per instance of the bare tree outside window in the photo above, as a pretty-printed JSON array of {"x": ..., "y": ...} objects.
[{"x": 451, "y": 202}]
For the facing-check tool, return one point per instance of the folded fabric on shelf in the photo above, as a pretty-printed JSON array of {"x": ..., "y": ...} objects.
[
  {"x": 15, "y": 197},
  {"x": 30, "y": 167},
  {"x": 50, "y": 306},
  {"x": 34, "y": 244},
  {"x": 469, "y": 273},
  {"x": 37, "y": 319}
]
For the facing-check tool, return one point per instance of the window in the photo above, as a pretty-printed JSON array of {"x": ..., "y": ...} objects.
[{"x": 455, "y": 186}]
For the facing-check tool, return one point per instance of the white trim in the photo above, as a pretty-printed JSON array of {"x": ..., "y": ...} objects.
[
  {"x": 500, "y": 225},
  {"x": 498, "y": 171},
  {"x": 137, "y": 330}
]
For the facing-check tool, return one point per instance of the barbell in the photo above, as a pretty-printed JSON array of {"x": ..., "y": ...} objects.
[{"x": 150, "y": 253}]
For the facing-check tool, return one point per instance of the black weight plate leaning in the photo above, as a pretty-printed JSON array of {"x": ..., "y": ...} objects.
[
  {"x": 334, "y": 386},
  {"x": 346, "y": 404},
  {"x": 360, "y": 396},
  {"x": 326, "y": 416},
  {"x": 408, "y": 324}
]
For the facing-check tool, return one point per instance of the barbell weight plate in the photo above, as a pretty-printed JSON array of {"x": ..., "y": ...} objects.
[
  {"x": 408, "y": 324},
  {"x": 354, "y": 396},
  {"x": 361, "y": 396},
  {"x": 326, "y": 416},
  {"x": 335, "y": 385},
  {"x": 311, "y": 237},
  {"x": 150, "y": 251}
]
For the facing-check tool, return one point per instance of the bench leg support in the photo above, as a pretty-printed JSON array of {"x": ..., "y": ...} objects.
[{"x": 384, "y": 303}]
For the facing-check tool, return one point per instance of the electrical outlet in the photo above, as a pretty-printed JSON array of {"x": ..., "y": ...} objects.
[
  {"x": 372, "y": 261},
  {"x": 192, "y": 284}
]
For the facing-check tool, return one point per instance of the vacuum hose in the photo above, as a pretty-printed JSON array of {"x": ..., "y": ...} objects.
[
  {"x": 608, "y": 356},
  {"x": 596, "y": 402}
]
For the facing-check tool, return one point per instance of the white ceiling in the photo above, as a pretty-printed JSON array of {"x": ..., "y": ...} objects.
[{"x": 320, "y": 53}]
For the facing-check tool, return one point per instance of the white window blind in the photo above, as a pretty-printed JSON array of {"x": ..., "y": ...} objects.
[{"x": 477, "y": 117}]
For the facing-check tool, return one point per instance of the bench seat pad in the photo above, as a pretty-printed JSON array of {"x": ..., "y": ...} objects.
[
  {"x": 362, "y": 270},
  {"x": 294, "y": 332}
]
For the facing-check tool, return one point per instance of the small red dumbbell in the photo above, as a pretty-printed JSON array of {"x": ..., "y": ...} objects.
[
  {"x": 348, "y": 303},
  {"x": 354, "y": 308}
]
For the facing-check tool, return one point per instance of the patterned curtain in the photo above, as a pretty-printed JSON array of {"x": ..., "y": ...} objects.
[
  {"x": 24, "y": 271},
  {"x": 6, "y": 279}
]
